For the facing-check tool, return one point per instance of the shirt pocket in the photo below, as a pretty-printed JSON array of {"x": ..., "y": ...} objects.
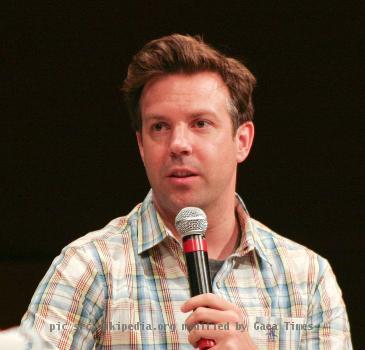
[{"x": 277, "y": 332}]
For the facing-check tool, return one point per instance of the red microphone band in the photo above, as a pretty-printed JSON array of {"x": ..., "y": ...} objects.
[{"x": 195, "y": 244}]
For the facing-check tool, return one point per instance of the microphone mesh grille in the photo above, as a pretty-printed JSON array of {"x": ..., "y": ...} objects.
[{"x": 190, "y": 221}]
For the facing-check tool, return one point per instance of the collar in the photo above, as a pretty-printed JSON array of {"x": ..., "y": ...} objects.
[
  {"x": 151, "y": 230},
  {"x": 250, "y": 238}
]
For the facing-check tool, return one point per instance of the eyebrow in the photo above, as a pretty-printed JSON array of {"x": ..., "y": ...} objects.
[
  {"x": 203, "y": 113},
  {"x": 154, "y": 117},
  {"x": 195, "y": 114}
]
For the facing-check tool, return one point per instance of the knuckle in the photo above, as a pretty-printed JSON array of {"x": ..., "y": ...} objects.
[
  {"x": 236, "y": 317},
  {"x": 199, "y": 311},
  {"x": 211, "y": 296},
  {"x": 231, "y": 316}
]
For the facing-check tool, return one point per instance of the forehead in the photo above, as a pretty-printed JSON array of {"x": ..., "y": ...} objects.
[{"x": 187, "y": 91}]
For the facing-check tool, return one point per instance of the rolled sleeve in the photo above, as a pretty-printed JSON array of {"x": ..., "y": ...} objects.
[
  {"x": 67, "y": 307},
  {"x": 327, "y": 317}
]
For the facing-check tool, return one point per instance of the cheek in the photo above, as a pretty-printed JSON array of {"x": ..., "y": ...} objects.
[
  {"x": 221, "y": 154},
  {"x": 153, "y": 160},
  {"x": 215, "y": 154}
]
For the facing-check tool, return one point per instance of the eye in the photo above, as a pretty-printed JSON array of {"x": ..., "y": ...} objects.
[
  {"x": 201, "y": 123},
  {"x": 159, "y": 126}
]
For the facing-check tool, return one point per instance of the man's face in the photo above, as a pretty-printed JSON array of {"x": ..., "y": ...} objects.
[{"x": 187, "y": 143}]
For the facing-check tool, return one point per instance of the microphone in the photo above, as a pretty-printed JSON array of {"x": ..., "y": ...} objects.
[{"x": 191, "y": 223}]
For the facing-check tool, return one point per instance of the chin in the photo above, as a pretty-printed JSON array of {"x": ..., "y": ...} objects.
[
  {"x": 187, "y": 202},
  {"x": 174, "y": 202}
]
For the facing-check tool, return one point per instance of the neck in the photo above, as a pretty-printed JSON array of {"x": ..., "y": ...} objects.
[
  {"x": 223, "y": 228},
  {"x": 223, "y": 231}
]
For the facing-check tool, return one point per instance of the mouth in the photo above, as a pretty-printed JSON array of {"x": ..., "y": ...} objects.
[
  {"x": 182, "y": 177},
  {"x": 182, "y": 174}
]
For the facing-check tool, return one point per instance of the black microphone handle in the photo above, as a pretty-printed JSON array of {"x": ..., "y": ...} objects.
[
  {"x": 198, "y": 272},
  {"x": 196, "y": 256}
]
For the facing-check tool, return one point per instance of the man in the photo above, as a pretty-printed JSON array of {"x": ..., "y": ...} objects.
[{"x": 125, "y": 286}]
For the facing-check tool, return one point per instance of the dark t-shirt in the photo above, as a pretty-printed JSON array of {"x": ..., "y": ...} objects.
[{"x": 214, "y": 266}]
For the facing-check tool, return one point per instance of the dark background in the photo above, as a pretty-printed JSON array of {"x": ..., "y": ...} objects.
[{"x": 70, "y": 161}]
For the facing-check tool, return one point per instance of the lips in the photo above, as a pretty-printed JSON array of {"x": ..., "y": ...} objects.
[{"x": 181, "y": 173}]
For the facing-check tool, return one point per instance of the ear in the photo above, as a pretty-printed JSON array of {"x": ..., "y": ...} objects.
[
  {"x": 140, "y": 144},
  {"x": 244, "y": 139}
]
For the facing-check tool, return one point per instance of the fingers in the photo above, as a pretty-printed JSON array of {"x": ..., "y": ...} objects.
[
  {"x": 205, "y": 331},
  {"x": 208, "y": 300},
  {"x": 208, "y": 316},
  {"x": 225, "y": 336},
  {"x": 217, "y": 319}
]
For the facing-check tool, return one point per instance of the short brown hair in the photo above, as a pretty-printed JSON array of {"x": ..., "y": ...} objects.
[{"x": 186, "y": 54}]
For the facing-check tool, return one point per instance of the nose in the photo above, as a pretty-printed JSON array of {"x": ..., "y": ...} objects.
[{"x": 180, "y": 143}]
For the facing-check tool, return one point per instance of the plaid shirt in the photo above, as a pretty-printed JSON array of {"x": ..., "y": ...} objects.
[{"x": 122, "y": 287}]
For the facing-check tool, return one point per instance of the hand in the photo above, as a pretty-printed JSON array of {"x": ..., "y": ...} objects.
[{"x": 219, "y": 320}]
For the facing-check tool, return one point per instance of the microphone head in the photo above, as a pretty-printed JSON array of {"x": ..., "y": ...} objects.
[{"x": 191, "y": 221}]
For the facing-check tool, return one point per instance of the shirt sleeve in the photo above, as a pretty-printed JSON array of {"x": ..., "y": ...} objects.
[
  {"x": 328, "y": 326},
  {"x": 67, "y": 308}
]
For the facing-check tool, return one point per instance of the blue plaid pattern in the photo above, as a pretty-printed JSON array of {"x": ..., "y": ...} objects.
[{"x": 121, "y": 287}]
